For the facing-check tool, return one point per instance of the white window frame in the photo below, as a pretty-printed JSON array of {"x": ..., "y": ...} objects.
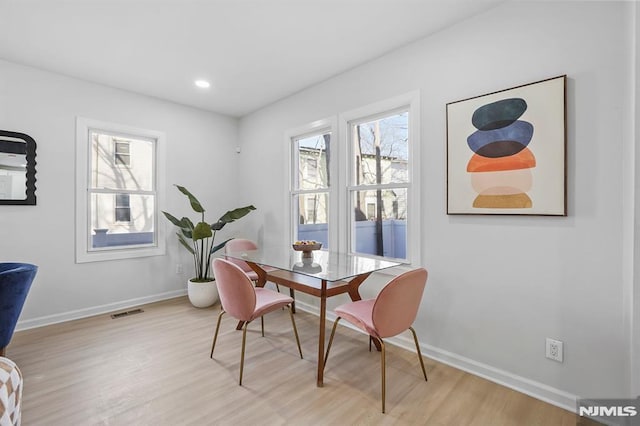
[
  {"x": 84, "y": 251},
  {"x": 411, "y": 103},
  {"x": 327, "y": 125}
]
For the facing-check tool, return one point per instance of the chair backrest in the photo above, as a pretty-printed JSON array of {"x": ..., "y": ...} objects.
[
  {"x": 239, "y": 244},
  {"x": 396, "y": 306},
  {"x": 236, "y": 291},
  {"x": 15, "y": 282}
]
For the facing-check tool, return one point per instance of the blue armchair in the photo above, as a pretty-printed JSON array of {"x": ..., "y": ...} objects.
[{"x": 15, "y": 282}]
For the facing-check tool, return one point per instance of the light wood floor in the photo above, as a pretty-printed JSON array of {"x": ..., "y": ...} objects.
[{"x": 154, "y": 368}]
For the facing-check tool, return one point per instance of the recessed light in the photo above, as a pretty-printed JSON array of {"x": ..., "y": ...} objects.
[{"x": 203, "y": 84}]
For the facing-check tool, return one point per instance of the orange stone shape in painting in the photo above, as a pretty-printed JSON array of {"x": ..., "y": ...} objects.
[
  {"x": 522, "y": 160},
  {"x": 514, "y": 201}
]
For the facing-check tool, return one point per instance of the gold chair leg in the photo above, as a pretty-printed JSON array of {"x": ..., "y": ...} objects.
[
  {"x": 383, "y": 372},
  {"x": 333, "y": 331},
  {"x": 415, "y": 339},
  {"x": 244, "y": 340},
  {"x": 215, "y": 336},
  {"x": 295, "y": 331},
  {"x": 262, "y": 325}
]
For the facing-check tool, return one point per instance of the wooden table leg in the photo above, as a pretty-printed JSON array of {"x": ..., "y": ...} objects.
[
  {"x": 323, "y": 317},
  {"x": 354, "y": 285},
  {"x": 293, "y": 304}
]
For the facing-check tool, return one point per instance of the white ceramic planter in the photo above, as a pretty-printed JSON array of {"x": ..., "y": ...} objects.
[{"x": 202, "y": 295}]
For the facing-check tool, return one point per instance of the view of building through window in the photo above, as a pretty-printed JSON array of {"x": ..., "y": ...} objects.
[
  {"x": 311, "y": 187},
  {"x": 380, "y": 181},
  {"x": 122, "y": 191},
  {"x": 378, "y": 184},
  {"x": 122, "y": 156},
  {"x": 123, "y": 208}
]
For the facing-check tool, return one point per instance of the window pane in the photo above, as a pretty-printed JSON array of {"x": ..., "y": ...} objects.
[
  {"x": 380, "y": 222},
  {"x": 123, "y": 159},
  {"x": 115, "y": 167},
  {"x": 122, "y": 147},
  {"x": 113, "y": 225},
  {"x": 123, "y": 210},
  {"x": 313, "y": 169},
  {"x": 122, "y": 200},
  {"x": 313, "y": 213},
  {"x": 381, "y": 150},
  {"x": 123, "y": 214}
]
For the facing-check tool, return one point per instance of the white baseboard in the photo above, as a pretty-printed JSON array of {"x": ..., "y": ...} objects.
[
  {"x": 529, "y": 387},
  {"x": 96, "y": 310}
]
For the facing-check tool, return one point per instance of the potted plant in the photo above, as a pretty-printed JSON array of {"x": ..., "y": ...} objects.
[{"x": 199, "y": 240}]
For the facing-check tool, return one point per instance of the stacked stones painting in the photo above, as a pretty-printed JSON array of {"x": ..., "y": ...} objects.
[
  {"x": 506, "y": 151},
  {"x": 501, "y": 164}
]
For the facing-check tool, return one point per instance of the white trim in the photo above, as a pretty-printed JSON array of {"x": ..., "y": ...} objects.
[
  {"x": 96, "y": 310},
  {"x": 521, "y": 384},
  {"x": 411, "y": 102},
  {"x": 82, "y": 237}
]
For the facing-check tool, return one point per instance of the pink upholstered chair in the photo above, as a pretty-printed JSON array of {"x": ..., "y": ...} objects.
[
  {"x": 245, "y": 303},
  {"x": 239, "y": 244},
  {"x": 389, "y": 314}
]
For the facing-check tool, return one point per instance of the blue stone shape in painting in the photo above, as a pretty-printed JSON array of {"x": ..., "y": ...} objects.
[
  {"x": 498, "y": 114},
  {"x": 501, "y": 142}
]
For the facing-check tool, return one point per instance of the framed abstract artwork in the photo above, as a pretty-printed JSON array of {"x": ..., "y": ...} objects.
[{"x": 506, "y": 151}]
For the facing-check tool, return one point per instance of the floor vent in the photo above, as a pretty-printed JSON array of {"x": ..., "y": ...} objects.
[{"x": 127, "y": 313}]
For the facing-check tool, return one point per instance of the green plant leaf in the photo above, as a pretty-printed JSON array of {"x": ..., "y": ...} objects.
[
  {"x": 195, "y": 204},
  {"x": 236, "y": 214},
  {"x": 202, "y": 230},
  {"x": 173, "y": 219},
  {"x": 217, "y": 226},
  {"x": 231, "y": 216},
  {"x": 186, "y": 223},
  {"x": 185, "y": 243}
]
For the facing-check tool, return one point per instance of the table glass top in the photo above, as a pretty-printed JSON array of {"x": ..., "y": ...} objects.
[{"x": 323, "y": 264}]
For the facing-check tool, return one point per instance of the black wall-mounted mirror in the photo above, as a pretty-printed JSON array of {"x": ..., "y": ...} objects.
[{"x": 17, "y": 168}]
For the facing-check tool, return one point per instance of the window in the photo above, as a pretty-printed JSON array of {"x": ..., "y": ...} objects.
[
  {"x": 123, "y": 208},
  {"x": 119, "y": 189},
  {"x": 310, "y": 184},
  {"x": 121, "y": 152},
  {"x": 366, "y": 199},
  {"x": 379, "y": 183}
]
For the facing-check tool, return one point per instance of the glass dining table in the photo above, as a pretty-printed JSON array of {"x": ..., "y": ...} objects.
[{"x": 324, "y": 274}]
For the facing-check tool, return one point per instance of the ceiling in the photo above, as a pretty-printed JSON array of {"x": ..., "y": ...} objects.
[{"x": 253, "y": 52}]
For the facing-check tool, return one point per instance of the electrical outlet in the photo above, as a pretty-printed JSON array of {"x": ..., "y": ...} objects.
[
  {"x": 554, "y": 349},
  {"x": 179, "y": 269}
]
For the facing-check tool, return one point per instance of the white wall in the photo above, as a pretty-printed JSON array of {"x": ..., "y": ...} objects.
[
  {"x": 499, "y": 285},
  {"x": 200, "y": 155}
]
